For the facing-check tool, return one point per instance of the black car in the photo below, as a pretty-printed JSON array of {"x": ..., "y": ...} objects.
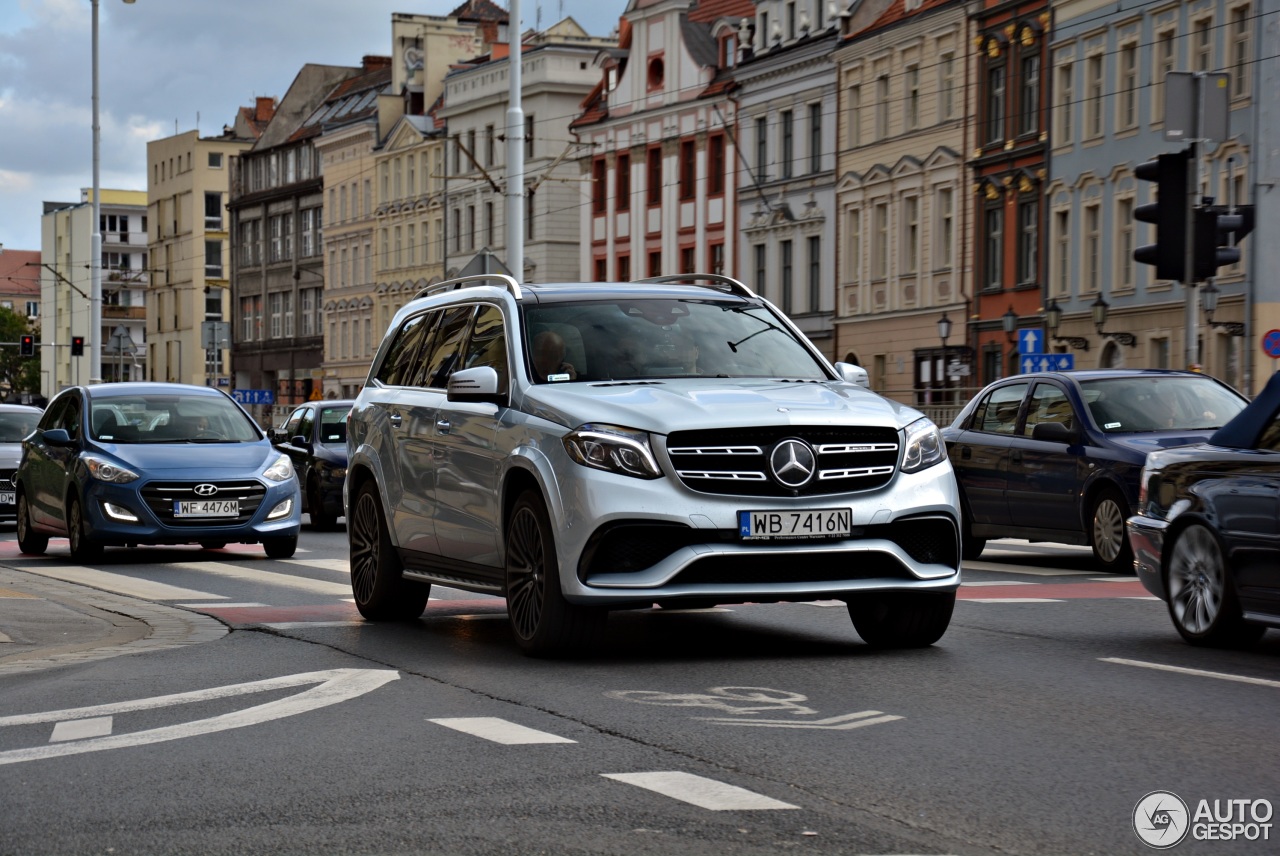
[
  {"x": 1206, "y": 535},
  {"x": 315, "y": 438},
  {"x": 1056, "y": 456}
]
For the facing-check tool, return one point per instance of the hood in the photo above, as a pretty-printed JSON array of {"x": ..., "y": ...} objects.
[
  {"x": 1144, "y": 444},
  {"x": 10, "y": 455},
  {"x": 665, "y": 406},
  {"x": 204, "y": 460}
]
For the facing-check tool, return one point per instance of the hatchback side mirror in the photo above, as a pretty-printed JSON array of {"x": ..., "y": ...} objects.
[
  {"x": 58, "y": 437},
  {"x": 1053, "y": 432}
]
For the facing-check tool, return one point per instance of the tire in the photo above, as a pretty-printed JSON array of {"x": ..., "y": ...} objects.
[
  {"x": 1202, "y": 601},
  {"x": 280, "y": 548},
  {"x": 320, "y": 519},
  {"x": 902, "y": 619},
  {"x": 83, "y": 547},
  {"x": 30, "y": 542},
  {"x": 971, "y": 546},
  {"x": 543, "y": 622},
  {"x": 381, "y": 593},
  {"x": 1107, "y": 536},
  {"x": 215, "y": 545}
]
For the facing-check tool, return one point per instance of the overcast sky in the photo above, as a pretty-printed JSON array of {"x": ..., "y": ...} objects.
[{"x": 163, "y": 62}]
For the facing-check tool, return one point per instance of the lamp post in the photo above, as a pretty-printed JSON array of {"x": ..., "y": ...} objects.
[
  {"x": 1053, "y": 318},
  {"x": 1209, "y": 301},
  {"x": 944, "y": 333},
  {"x": 1099, "y": 308},
  {"x": 95, "y": 240},
  {"x": 1009, "y": 321}
]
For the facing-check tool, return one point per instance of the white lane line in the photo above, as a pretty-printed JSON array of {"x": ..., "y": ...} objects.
[
  {"x": 1000, "y": 583},
  {"x": 119, "y": 583},
  {"x": 499, "y": 730},
  {"x": 1113, "y": 579},
  {"x": 258, "y": 575},
  {"x": 79, "y": 729},
  {"x": 341, "y": 565},
  {"x": 1199, "y": 673},
  {"x": 699, "y": 791},
  {"x": 294, "y": 625},
  {"x": 217, "y": 605},
  {"x": 1145, "y": 597},
  {"x": 1022, "y": 569},
  {"x": 1011, "y": 600}
]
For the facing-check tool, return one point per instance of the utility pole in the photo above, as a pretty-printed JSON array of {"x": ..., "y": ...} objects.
[{"x": 515, "y": 146}]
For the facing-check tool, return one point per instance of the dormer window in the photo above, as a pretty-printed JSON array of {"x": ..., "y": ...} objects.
[
  {"x": 611, "y": 79},
  {"x": 729, "y": 50},
  {"x": 656, "y": 72}
]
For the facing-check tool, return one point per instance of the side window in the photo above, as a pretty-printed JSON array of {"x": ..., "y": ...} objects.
[
  {"x": 1270, "y": 439},
  {"x": 71, "y": 418},
  {"x": 488, "y": 343},
  {"x": 295, "y": 419},
  {"x": 1000, "y": 410},
  {"x": 397, "y": 367},
  {"x": 1048, "y": 404},
  {"x": 52, "y": 417},
  {"x": 307, "y": 426},
  {"x": 442, "y": 358}
]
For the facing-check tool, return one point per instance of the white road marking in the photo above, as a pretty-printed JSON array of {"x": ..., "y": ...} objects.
[
  {"x": 340, "y": 565},
  {"x": 499, "y": 730},
  {"x": 79, "y": 729},
  {"x": 1145, "y": 597},
  {"x": 1113, "y": 579},
  {"x": 4, "y": 638},
  {"x": 294, "y": 625},
  {"x": 1199, "y": 673},
  {"x": 699, "y": 791},
  {"x": 331, "y": 686},
  {"x": 822, "y": 603},
  {"x": 835, "y": 723},
  {"x": 688, "y": 611},
  {"x": 259, "y": 575},
  {"x": 1001, "y": 583},
  {"x": 119, "y": 583},
  {"x": 1011, "y": 600},
  {"x": 218, "y": 605},
  {"x": 1022, "y": 569}
]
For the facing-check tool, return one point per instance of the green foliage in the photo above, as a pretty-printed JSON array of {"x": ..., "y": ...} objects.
[{"x": 17, "y": 373}]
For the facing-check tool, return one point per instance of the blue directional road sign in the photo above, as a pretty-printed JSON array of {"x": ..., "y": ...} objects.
[
  {"x": 1031, "y": 342},
  {"x": 254, "y": 396},
  {"x": 1048, "y": 362}
]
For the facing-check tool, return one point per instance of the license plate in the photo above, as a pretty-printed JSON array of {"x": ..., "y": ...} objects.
[
  {"x": 783, "y": 525},
  {"x": 6, "y": 498},
  {"x": 207, "y": 508}
]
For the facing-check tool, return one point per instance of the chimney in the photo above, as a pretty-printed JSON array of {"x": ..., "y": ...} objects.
[
  {"x": 374, "y": 63},
  {"x": 264, "y": 108}
]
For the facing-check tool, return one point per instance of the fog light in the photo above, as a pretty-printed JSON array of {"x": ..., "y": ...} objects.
[
  {"x": 284, "y": 509},
  {"x": 116, "y": 512}
]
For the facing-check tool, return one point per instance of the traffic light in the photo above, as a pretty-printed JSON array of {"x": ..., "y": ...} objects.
[
  {"x": 1168, "y": 213},
  {"x": 27, "y": 345},
  {"x": 77, "y": 346},
  {"x": 1218, "y": 230}
]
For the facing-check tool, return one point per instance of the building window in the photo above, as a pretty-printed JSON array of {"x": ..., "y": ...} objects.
[
  {"x": 880, "y": 241},
  {"x": 277, "y": 237},
  {"x": 688, "y": 168},
  {"x": 1063, "y": 109},
  {"x": 528, "y": 136},
  {"x": 762, "y": 148},
  {"x": 855, "y": 116},
  {"x": 213, "y": 259},
  {"x": 946, "y": 87},
  {"x": 213, "y": 210},
  {"x": 1061, "y": 277},
  {"x": 785, "y": 248},
  {"x": 761, "y": 255},
  {"x": 602, "y": 270},
  {"x": 788, "y": 143},
  {"x": 910, "y": 234},
  {"x": 729, "y": 50},
  {"x": 622, "y": 183},
  {"x": 1124, "y": 243},
  {"x": 490, "y": 146},
  {"x": 215, "y": 160},
  {"x": 598, "y": 194},
  {"x": 1028, "y": 241},
  {"x": 398, "y": 244},
  {"x": 1240, "y": 50},
  {"x": 1202, "y": 45},
  {"x": 529, "y": 214},
  {"x": 1127, "y": 88},
  {"x": 33, "y": 309},
  {"x": 471, "y": 231},
  {"x": 715, "y": 164},
  {"x": 288, "y": 314},
  {"x": 992, "y": 248},
  {"x": 246, "y": 319},
  {"x": 1029, "y": 103},
  {"x": 815, "y": 273},
  {"x": 688, "y": 259},
  {"x": 1092, "y": 247},
  {"x": 624, "y": 268},
  {"x": 911, "y": 103},
  {"x": 717, "y": 258},
  {"x": 654, "y": 177},
  {"x": 882, "y": 106},
  {"x": 1164, "y": 57},
  {"x": 994, "y": 127},
  {"x": 655, "y": 263},
  {"x": 1093, "y": 94},
  {"x": 276, "y": 302},
  {"x": 946, "y": 228},
  {"x": 815, "y": 138}
]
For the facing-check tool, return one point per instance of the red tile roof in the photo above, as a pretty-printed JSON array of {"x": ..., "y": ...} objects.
[
  {"x": 896, "y": 13},
  {"x": 20, "y": 272},
  {"x": 480, "y": 10},
  {"x": 708, "y": 11}
]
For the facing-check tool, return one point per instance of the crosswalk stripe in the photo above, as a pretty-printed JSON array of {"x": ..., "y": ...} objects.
[
  {"x": 999, "y": 583},
  {"x": 79, "y": 729},
  {"x": 261, "y": 575},
  {"x": 499, "y": 730},
  {"x": 119, "y": 583},
  {"x": 341, "y": 565},
  {"x": 700, "y": 791}
]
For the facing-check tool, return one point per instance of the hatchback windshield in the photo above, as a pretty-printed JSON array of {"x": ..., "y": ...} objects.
[
  {"x": 1124, "y": 405},
  {"x": 169, "y": 419},
  {"x": 661, "y": 338},
  {"x": 16, "y": 425}
]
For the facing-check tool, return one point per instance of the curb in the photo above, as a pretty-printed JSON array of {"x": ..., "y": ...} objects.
[{"x": 168, "y": 626}]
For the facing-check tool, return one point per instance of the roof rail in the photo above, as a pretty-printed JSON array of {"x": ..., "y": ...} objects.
[
  {"x": 734, "y": 286},
  {"x": 449, "y": 284}
]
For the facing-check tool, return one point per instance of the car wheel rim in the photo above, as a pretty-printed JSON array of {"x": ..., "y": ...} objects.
[
  {"x": 1108, "y": 530},
  {"x": 1196, "y": 580},
  {"x": 366, "y": 547},
  {"x": 525, "y": 580},
  {"x": 75, "y": 535},
  {"x": 24, "y": 525}
]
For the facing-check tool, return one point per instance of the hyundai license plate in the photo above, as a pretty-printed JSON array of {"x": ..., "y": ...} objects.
[
  {"x": 206, "y": 508},
  {"x": 784, "y": 525}
]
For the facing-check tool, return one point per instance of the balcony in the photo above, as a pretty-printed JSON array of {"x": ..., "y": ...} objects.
[{"x": 137, "y": 313}]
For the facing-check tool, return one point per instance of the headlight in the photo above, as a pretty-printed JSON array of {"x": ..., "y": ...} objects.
[
  {"x": 281, "y": 470},
  {"x": 107, "y": 471},
  {"x": 608, "y": 447},
  {"x": 924, "y": 446}
]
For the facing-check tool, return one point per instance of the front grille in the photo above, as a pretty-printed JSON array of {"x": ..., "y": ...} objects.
[
  {"x": 6, "y": 479},
  {"x": 816, "y": 568},
  {"x": 160, "y": 496},
  {"x": 735, "y": 461},
  {"x": 928, "y": 540}
]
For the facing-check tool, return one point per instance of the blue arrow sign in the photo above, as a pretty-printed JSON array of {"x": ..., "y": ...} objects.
[
  {"x": 1063, "y": 362},
  {"x": 254, "y": 396},
  {"x": 1026, "y": 365},
  {"x": 1029, "y": 342}
]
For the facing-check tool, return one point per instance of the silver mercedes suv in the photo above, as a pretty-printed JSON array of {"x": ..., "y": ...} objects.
[{"x": 579, "y": 448}]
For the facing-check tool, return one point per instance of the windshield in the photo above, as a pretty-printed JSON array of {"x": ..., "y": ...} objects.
[
  {"x": 169, "y": 419},
  {"x": 333, "y": 424},
  {"x": 16, "y": 425},
  {"x": 1126, "y": 405},
  {"x": 627, "y": 339}
]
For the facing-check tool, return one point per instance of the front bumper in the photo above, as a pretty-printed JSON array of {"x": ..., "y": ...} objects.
[
  {"x": 149, "y": 529},
  {"x": 1147, "y": 536}
]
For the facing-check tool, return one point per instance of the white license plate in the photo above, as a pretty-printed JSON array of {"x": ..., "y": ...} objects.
[
  {"x": 782, "y": 525},
  {"x": 6, "y": 498},
  {"x": 207, "y": 508}
]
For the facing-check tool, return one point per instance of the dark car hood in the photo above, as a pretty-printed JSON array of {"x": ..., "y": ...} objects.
[
  {"x": 1145, "y": 444},
  {"x": 150, "y": 458},
  {"x": 1244, "y": 431}
]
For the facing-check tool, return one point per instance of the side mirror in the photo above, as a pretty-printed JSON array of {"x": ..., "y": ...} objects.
[
  {"x": 1053, "y": 432},
  {"x": 58, "y": 437},
  {"x": 479, "y": 384},
  {"x": 850, "y": 373},
  {"x": 299, "y": 440}
]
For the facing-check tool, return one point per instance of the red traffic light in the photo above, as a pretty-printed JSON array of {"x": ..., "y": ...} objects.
[
  {"x": 77, "y": 346},
  {"x": 27, "y": 345}
]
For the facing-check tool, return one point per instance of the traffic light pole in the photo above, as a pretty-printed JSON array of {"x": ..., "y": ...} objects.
[{"x": 1192, "y": 351}]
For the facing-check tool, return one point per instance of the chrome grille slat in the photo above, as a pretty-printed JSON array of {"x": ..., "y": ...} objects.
[
  {"x": 722, "y": 474},
  {"x": 855, "y": 472},
  {"x": 717, "y": 450},
  {"x": 854, "y": 448}
]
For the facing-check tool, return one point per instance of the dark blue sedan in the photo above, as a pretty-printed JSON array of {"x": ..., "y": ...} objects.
[
  {"x": 315, "y": 439},
  {"x": 153, "y": 463},
  {"x": 1057, "y": 456}
]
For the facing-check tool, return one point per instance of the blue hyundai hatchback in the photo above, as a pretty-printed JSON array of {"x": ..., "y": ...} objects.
[{"x": 153, "y": 463}]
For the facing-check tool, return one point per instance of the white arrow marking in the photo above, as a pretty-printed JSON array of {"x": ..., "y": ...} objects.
[
  {"x": 835, "y": 723},
  {"x": 333, "y": 686}
]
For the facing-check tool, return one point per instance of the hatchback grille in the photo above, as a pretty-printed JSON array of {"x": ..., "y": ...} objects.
[
  {"x": 160, "y": 496},
  {"x": 735, "y": 461}
]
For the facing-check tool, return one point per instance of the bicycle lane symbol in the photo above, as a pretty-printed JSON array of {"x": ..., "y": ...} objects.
[{"x": 742, "y": 701}]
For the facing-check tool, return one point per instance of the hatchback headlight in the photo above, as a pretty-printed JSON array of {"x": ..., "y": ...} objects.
[
  {"x": 924, "y": 446},
  {"x": 281, "y": 470},
  {"x": 107, "y": 471},
  {"x": 609, "y": 447}
]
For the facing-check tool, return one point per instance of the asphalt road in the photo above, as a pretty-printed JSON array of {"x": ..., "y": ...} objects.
[{"x": 1058, "y": 699}]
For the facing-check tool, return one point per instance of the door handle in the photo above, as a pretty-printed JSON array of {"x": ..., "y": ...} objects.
[
  {"x": 443, "y": 426},
  {"x": 396, "y": 419},
  {"x": 1016, "y": 456},
  {"x": 965, "y": 453}
]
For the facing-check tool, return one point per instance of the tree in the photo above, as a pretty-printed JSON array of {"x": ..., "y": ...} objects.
[{"x": 18, "y": 374}]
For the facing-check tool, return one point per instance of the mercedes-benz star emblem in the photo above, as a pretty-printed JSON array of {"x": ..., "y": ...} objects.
[
  {"x": 206, "y": 489},
  {"x": 793, "y": 463}
]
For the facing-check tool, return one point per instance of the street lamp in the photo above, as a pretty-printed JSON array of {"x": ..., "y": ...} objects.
[
  {"x": 1099, "y": 308},
  {"x": 1209, "y": 300},
  {"x": 95, "y": 240},
  {"x": 1009, "y": 320},
  {"x": 1052, "y": 318}
]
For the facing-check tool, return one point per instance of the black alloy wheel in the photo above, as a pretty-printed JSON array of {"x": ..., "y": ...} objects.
[
  {"x": 1200, "y": 594},
  {"x": 901, "y": 619},
  {"x": 380, "y": 592},
  {"x": 83, "y": 547},
  {"x": 30, "y": 542}
]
